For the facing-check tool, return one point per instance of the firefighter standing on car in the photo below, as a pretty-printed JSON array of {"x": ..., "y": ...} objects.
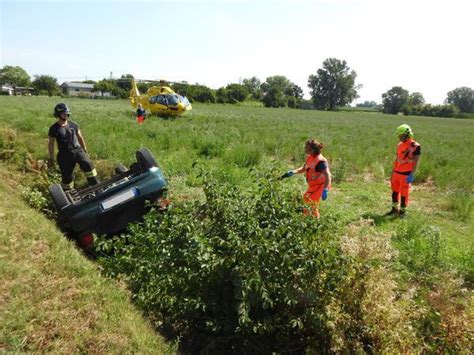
[
  {"x": 404, "y": 168},
  {"x": 318, "y": 177},
  {"x": 71, "y": 148}
]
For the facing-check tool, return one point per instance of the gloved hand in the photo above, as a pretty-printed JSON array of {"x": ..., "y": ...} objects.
[
  {"x": 410, "y": 178},
  {"x": 288, "y": 174},
  {"x": 325, "y": 194}
]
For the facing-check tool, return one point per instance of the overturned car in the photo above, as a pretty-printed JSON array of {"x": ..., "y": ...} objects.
[{"x": 108, "y": 207}]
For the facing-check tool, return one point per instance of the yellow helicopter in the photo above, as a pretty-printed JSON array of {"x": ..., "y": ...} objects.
[{"x": 160, "y": 100}]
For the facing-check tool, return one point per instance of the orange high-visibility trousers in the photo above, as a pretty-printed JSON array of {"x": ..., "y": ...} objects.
[
  {"x": 401, "y": 186},
  {"x": 312, "y": 197}
]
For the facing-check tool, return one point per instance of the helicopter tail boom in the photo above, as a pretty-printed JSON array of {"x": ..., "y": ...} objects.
[{"x": 134, "y": 94}]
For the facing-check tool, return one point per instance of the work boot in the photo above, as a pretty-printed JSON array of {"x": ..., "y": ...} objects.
[{"x": 392, "y": 212}]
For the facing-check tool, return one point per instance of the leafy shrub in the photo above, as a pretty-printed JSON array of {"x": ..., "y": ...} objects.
[
  {"x": 36, "y": 194},
  {"x": 246, "y": 271},
  {"x": 292, "y": 102},
  {"x": 206, "y": 95},
  {"x": 236, "y": 93},
  {"x": 431, "y": 110},
  {"x": 35, "y": 198}
]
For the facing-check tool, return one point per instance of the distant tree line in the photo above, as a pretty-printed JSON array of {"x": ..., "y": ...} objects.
[
  {"x": 332, "y": 87},
  {"x": 459, "y": 103},
  {"x": 18, "y": 77}
]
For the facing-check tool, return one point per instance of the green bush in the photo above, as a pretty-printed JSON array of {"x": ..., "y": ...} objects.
[
  {"x": 245, "y": 271},
  {"x": 35, "y": 198},
  {"x": 431, "y": 110}
]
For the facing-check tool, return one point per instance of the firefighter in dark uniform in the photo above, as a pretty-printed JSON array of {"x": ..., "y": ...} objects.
[{"x": 71, "y": 148}]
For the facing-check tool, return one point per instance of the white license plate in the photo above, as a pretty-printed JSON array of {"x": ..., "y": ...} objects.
[{"x": 118, "y": 199}]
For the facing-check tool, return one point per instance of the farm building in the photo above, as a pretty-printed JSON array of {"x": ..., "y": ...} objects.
[
  {"x": 7, "y": 89},
  {"x": 81, "y": 89}
]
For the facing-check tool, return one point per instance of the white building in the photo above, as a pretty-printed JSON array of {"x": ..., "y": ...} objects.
[
  {"x": 7, "y": 88},
  {"x": 81, "y": 89}
]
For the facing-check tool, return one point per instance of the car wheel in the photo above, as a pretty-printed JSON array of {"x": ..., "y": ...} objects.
[
  {"x": 120, "y": 169},
  {"x": 145, "y": 159},
  {"x": 59, "y": 197}
]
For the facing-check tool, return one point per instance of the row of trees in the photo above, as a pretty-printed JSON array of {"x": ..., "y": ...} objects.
[
  {"x": 458, "y": 101},
  {"x": 333, "y": 86},
  {"x": 18, "y": 77},
  {"x": 276, "y": 91}
]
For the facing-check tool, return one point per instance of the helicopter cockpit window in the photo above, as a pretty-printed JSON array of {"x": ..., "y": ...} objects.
[
  {"x": 161, "y": 99},
  {"x": 173, "y": 100},
  {"x": 184, "y": 100}
]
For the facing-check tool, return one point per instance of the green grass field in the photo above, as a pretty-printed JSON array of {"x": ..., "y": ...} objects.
[{"x": 234, "y": 140}]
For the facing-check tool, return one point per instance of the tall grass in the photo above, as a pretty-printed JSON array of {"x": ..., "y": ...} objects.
[
  {"x": 462, "y": 204},
  {"x": 249, "y": 136}
]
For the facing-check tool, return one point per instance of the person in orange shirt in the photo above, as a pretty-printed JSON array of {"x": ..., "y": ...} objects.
[
  {"x": 404, "y": 168},
  {"x": 318, "y": 177}
]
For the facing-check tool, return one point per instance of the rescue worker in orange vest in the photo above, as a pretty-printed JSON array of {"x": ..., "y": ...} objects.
[
  {"x": 318, "y": 176},
  {"x": 404, "y": 168},
  {"x": 141, "y": 114}
]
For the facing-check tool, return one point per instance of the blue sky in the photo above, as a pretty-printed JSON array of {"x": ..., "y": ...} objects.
[{"x": 424, "y": 46}]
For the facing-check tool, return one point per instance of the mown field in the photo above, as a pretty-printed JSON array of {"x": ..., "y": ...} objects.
[{"x": 426, "y": 258}]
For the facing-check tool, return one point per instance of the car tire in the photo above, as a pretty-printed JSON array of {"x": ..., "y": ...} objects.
[
  {"x": 145, "y": 159},
  {"x": 120, "y": 169},
  {"x": 59, "y": 197}
]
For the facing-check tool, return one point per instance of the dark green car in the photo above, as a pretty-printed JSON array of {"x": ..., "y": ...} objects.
[{"x": 107, "y": 208}]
